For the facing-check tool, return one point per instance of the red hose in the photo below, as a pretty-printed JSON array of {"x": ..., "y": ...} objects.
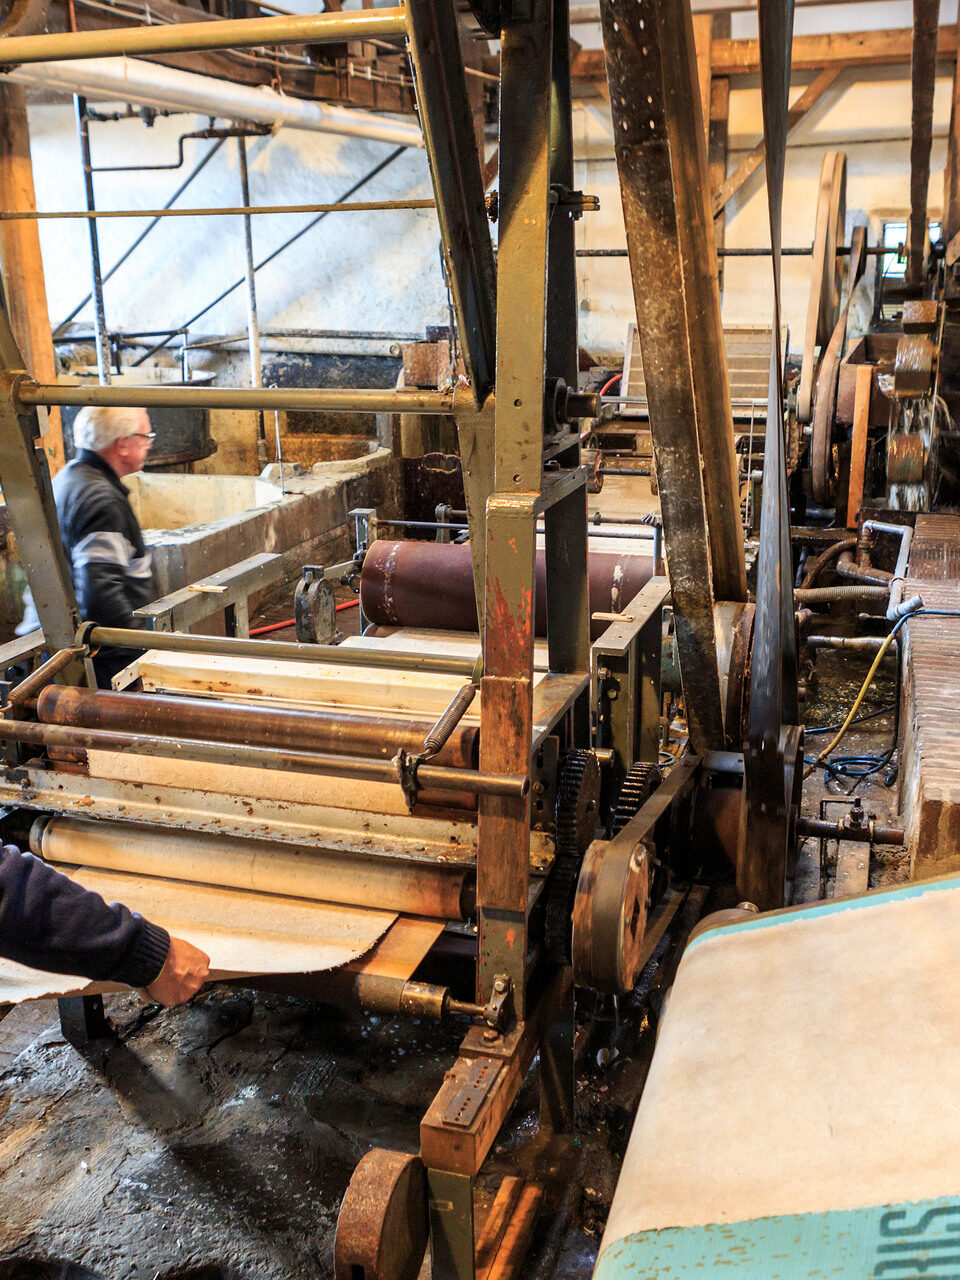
[
  {"x": 290, "y": 622},
  {"x": 609, "y": 383}
]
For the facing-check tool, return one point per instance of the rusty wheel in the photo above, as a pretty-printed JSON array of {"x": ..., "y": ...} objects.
[
  {"x": 826, "y": 282},
  {"x": 382, "y": 1228}
]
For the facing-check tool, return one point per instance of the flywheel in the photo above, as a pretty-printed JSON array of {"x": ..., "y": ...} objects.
[
  {"x": 578, "y": 805},
  {"x": 826, "y": 281}
]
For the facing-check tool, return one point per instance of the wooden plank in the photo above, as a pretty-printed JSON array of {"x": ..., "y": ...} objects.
[
  {"x": 810, "y": 53},
  {"x": 24, "y": 284},
  {"x": 702, "y": 37},
  {"x": 810, "y": 96},
  {"x": 717, "y": 136},
  {"x": 462, "y": 1149},
  {"x": 717, "y": 157},
  {"x": 858, "y": 458},
  {"x": 814, "y": 53},
  {"x": 951, "y": 173}
]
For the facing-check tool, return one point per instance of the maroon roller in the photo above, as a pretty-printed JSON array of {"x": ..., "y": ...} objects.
[{"x": 430, "y": 584}]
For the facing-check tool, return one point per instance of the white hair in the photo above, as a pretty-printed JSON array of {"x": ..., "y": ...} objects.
[{"x": 97, "y": 427}]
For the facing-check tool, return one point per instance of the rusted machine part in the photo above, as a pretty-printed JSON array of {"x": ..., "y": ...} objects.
[
  {"x": 826, "y": 281},
  {"x": 853, "y": 593},
  {"x": 915, "y": 366},
  {"x": 610, "y": 915},
  {"x": 382, "y": 1229},
  {"x": 758, "y": 883},
  {"x": 737, "y": 641},
  {"x": 314, "y": 608},
  {"x": 847, "y": 567},
  {"x": 288, "y": 727},
  {"x": 443, "y": 892},
  {"x": 30, "y": 686},
  {"x": 815, "y": 567},
  {"x": 430, "y": 584},
  {"x": 869, "y": 833},
  {"x": 822, "y": 462},
  {"x": 906, "y": 459}
]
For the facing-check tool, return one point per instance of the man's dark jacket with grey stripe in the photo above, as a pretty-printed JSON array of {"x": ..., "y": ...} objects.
[
  {"x": 47, "y": 921},
  {"x": 110, "y": 565}
]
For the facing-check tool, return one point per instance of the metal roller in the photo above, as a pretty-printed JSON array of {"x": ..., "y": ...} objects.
[
  {"x": 430, "y": 584},
  {"x": 285, "y": 727},
  {"x": 444, "y": 892}
]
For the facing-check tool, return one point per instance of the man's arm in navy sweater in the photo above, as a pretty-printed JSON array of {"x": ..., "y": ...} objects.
[{"x": 48, "y": 921}]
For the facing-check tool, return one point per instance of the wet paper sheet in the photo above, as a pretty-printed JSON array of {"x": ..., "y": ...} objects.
[{"x": 243, "y": 933}]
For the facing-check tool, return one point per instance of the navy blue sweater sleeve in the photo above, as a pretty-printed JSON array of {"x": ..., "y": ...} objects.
[{"x": 47, "y": 921}]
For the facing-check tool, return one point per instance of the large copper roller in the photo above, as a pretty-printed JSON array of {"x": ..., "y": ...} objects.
[
  {"x": 285, "y": 727},
  {"x": 430, "y": 584}
]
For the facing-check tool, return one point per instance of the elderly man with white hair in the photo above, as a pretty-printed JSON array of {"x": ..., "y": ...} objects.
[{"x": 109, "y": 562}]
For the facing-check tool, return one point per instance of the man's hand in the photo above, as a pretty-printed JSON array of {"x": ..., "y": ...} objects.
[{"x": 185, "y": 971}]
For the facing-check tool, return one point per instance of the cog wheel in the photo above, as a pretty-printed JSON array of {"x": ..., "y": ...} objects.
[
  {"x": 639, "y": 783},
  {"x": 578, "y": 803}
]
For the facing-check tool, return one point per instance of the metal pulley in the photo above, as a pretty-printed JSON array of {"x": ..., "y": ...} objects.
[
  {"x": 610, "y": 914},
  {"x": 382, "y": 1229},
  {"x": 314, "y": 607}
]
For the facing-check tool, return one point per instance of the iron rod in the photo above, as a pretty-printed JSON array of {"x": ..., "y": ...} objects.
[
  {"x": 253, "y": 325},
  {"x": 99, "y": 315},
  {"x": 238, "y": 210},
  {"x": 434, "y": 777},
  {"x": 192, "y": 37},
  {"x": 734, "y": 252},
  {"x": 30, "y": 686},
  {"x": 236, "y": 647}
]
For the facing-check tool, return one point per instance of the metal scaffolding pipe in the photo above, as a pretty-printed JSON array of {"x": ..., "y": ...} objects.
[
  {"x": 216, "y": 211},
  {"x": 193, "y": 37},
  {"x": 96, "y": 276},
  {"x": 280, "y": 650}
]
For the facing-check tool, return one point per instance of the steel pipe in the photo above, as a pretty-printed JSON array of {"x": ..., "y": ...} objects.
[
  {"x": 320, "y": 400},
  {"x": 192, "y": 37},
  {"x": 231, "y": 647},
  {"x": 855, "y": 593},
  {"x": 153, "y": 85},
  {"x": 431, "y": 777},
  {"x": 287, "y": 728}
]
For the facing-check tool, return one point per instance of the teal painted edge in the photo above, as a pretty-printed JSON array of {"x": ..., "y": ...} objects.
[
  {"x": 820, "y": 909},
  {"x": 918, "y": 1240}
]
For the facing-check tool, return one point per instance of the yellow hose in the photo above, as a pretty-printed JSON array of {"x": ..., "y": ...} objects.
[{"x": 875, "y": 665}]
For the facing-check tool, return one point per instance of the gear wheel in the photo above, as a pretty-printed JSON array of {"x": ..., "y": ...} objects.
[
  {"x": 578, "y": 803},
  {"x": 639, "y": 783}
]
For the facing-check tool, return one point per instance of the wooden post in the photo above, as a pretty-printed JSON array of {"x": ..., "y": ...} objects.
[
  {"x": 951, "y": 174},
  {"x": 717, "y": 131},
  {"x": 21, "y": 261},
  {"x": 702, "y": 39}
]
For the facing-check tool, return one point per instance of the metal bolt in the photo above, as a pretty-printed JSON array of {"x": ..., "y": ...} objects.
[
  {"x": 489, "y": 1035},
  {"x": 500, "y": 986}
]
